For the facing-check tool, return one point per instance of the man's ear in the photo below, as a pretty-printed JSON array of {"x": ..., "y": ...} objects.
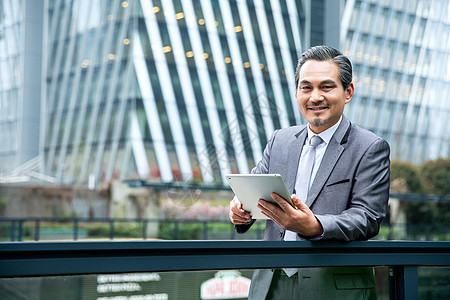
[{"x": 349, "y": 92}]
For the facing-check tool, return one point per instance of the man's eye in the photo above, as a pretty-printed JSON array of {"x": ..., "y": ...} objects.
[{"x": 305, "y": 88}]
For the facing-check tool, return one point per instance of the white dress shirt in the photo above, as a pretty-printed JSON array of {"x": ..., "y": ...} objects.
[{"x": 320, "y": 151}]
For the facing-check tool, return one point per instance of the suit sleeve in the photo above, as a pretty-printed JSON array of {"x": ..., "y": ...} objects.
[
  {"x": 261, "y": 168},
  {"x": 368, "y": 199}
]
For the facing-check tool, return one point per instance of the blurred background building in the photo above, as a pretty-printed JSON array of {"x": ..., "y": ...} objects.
[
  {"x": 184, "y": 90},
  {"x": 400, "y": 51},
  {"x": 21, "y": 55}
]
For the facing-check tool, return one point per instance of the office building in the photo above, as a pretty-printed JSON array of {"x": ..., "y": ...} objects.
[
  {"x": 187, "y": 90},
  {"x": 401, "y": 56},
  {"x": 21, "y": 55}
]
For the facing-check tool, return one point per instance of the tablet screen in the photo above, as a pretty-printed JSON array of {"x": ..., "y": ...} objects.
[{"x": 249, "y": 188}]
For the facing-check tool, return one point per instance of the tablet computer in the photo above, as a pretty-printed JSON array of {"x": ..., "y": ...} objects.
[{"x": 249, "y": 188}]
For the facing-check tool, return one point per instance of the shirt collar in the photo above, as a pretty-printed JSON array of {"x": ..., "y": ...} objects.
[{"x": 327, "y": 134}]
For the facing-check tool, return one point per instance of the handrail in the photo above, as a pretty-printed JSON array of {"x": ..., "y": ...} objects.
[
  {"x": 71, "y": 258},
  {"x": 53, "y": 258}
]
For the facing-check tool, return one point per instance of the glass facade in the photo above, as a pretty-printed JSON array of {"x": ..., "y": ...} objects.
[
  {"x": 21, "y": 33},
  {"x": 166, "y": 90},
  {"x": 401, "y": 56},
  {"x": 11, "y": 59},
  {"x": 185, "y": 90}
]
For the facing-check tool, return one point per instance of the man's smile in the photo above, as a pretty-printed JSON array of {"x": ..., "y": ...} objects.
[{"x": 316, "y": 108}]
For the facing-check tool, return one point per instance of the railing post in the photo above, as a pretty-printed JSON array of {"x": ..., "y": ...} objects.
[
  {"x": 111, "y": 229},
  {"x": 75, "y": 229},
  {"x": 13, "y": 231},
  {"x": 205, "y": 230},
  {"x": 37, "y": 228},
  {"x": 175, "y": 230},
  {"x": 404, "y": 283},
  {"x": 144, "y": 229},
  {"x": 20, "y": 237}
]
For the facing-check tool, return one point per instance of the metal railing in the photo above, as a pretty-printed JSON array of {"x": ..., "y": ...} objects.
[
  {"x": 21, "y": 229},
  {"x": 74, "y": 258}
]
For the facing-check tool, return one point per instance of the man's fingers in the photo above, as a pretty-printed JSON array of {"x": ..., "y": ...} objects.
[
  {"x": 239, "y": 219},
  {"x": 268, "y": 209},
  {"x": 236, "y": 208},
  {"x": 237, "y": 214},
  {"x": 282, "y": 202},
  {"x": 296, "y": 200},
  {"x": 301, "y": 205},
  {"x": 272, "y": 211}
]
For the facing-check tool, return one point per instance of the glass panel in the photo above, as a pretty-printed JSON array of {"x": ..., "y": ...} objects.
[
  {"x": 227, "y": 284},
  {"x": 434, "y": 282},
  {"x": 208, "y": 284}
]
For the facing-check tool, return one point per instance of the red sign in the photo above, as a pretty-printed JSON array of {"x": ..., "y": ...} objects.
[{"x": 225, "y": 285}]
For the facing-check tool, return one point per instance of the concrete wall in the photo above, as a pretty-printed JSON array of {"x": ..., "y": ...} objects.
[
  {"x": 114, "y": 201},
  {"x": 47, "y": 201}
]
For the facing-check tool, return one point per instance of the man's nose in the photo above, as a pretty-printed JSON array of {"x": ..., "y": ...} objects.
[{"x": 316, "y": 95}]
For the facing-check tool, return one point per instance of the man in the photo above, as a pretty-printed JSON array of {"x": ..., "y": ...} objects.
[{"x": 347, "y": 191}]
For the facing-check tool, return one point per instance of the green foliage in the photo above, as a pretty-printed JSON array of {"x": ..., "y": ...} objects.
[
  {"x": 124, "y": 230},
  {"x": 5, "y": 231},
  {"x": 98, "y": 230},
  {"x": 185, "y": 231},
  {"x": 432, "y": 177},
  {"x": 436, "y": 176},
  {"x": 421, "y": 213},
  {"x": 405, "y": 177},
  {"x": 443, "y": 213},
  {"x": 4, "y": 200},
  {"x": 218, "y": 227}
]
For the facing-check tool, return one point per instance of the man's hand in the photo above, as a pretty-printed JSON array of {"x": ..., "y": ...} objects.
[
  {"x": 299, "y": 219},
  {"x": 237, "y": 214}
]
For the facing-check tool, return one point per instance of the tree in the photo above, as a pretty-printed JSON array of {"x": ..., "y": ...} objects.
[
  {"x": 405, "y": 178},
  {"x": 436, "y": 179},
  {"x": 436, "y": 176}
]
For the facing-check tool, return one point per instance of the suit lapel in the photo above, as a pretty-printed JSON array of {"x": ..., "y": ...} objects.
[
  {"x": 330, "y": 158},
  {"x": 295, "y": 149}
]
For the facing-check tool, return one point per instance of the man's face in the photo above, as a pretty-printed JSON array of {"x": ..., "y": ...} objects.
[{"x": 320, "y": 95}]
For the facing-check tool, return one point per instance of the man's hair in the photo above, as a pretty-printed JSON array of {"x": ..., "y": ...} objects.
[{"x": 323, "y": 53}]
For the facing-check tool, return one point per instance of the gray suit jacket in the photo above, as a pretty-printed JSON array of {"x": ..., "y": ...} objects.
[{"x": 348, "y": 196}]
